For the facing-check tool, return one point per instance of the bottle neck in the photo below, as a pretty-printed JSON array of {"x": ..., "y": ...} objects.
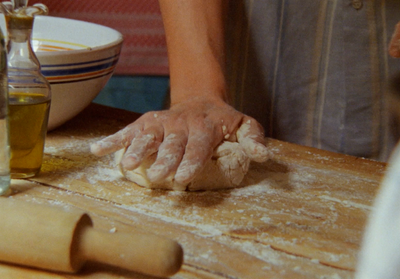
[{"x": 20, "y": 54}]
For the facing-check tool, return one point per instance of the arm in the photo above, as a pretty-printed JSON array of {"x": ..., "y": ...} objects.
[
  {"x": 199, "y": 118},
  {"x": 394, "y": 47},
  {"x": 194, "y": 34}
]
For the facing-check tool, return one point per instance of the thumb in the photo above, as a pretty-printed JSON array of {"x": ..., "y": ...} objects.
[{"x": 251, "y": 137}]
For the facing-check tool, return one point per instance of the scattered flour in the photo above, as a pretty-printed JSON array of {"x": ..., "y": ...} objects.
[
  {"x": 177, "y": 208},
  {"x": 346, "y": 203}
]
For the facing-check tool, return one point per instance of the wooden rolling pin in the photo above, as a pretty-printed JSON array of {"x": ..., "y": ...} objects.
[{"x": 58, "y": 239}]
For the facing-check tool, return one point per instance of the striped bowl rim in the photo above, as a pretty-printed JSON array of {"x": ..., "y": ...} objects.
[{"x": 72, "y": 72}]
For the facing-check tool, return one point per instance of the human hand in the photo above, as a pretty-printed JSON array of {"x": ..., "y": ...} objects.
[
  {"x": 394, "y": 46},
  {"x": 184, "y": 137}
]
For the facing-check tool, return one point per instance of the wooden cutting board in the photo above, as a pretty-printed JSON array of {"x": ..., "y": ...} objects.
[{"x": 301, "y": 216}]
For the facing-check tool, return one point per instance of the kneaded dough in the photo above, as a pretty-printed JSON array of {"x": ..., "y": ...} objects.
[{"x": 226, "y": 169}]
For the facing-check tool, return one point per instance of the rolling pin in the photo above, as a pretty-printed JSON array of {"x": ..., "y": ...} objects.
[{"x": 61, "y": 239}]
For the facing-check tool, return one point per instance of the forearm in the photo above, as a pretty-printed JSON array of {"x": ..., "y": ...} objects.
[
  {"x": 195, "y": 41},
  {"x": 394, "y": 47}
]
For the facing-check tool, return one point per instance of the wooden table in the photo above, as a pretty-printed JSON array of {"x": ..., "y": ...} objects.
[{"x": 301, "y": 215}]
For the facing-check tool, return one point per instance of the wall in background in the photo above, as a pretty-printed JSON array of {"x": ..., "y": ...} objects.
[
  {"x": 140, "y": 82},
  {"x": 144, "y": 50}
]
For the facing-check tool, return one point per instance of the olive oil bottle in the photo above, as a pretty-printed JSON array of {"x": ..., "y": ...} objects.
[
  {"x": 28, "y": 126},
  {"x": 29, "y": 91}
]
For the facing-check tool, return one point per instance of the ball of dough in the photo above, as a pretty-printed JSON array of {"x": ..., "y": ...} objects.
[{"x": 226, "y": 169}]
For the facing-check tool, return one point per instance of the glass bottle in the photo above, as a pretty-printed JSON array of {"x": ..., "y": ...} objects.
[
  {"x": 4, "y": 127},
  {"x": 29, "y": 91}
]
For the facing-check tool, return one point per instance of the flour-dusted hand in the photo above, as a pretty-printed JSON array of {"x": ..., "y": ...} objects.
[
  {"x": 394, "y": 46},
  {"x": 181, "y": 141},
  {"x": 184, "y": 138}
]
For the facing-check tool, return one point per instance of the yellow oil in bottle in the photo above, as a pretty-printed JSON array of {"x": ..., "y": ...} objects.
[{"x": 28, "y": 116}]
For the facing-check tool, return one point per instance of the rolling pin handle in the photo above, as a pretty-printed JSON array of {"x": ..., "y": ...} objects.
[{"x": 148, "y": 254}]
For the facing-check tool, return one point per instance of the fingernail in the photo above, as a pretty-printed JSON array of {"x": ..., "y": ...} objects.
[
  {"x": 95, "y": 148},
  {"x": 130, "y": 162},
  {"x": 100, "y": 148},
  {"x": 261, "y": 153},
  {"x": 186, "y": 172},
  {"x": 156, "y": 173}
]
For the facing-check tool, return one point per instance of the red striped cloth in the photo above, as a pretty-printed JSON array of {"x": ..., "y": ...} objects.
[{"x": 144, "y": 50}]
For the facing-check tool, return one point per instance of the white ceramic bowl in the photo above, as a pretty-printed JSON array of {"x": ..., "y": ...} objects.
[{"x": 77, "y": 58}]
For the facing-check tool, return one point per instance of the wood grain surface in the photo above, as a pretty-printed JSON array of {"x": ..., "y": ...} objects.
[{"x": 301, "y": 215}]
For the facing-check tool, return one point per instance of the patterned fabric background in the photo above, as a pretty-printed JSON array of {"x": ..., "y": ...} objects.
[{"x": 144, "y": 50}]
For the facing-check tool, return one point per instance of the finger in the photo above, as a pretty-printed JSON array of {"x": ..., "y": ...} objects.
[
  {"x": 198, "y": 150},
  {"x": 141, "y": 147},
  {"x": 169, "y": 156},
  {"x": 115, "y": 142},
  {"x": 250, "y": 135},
  {"x": 394, "y": 47}
]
